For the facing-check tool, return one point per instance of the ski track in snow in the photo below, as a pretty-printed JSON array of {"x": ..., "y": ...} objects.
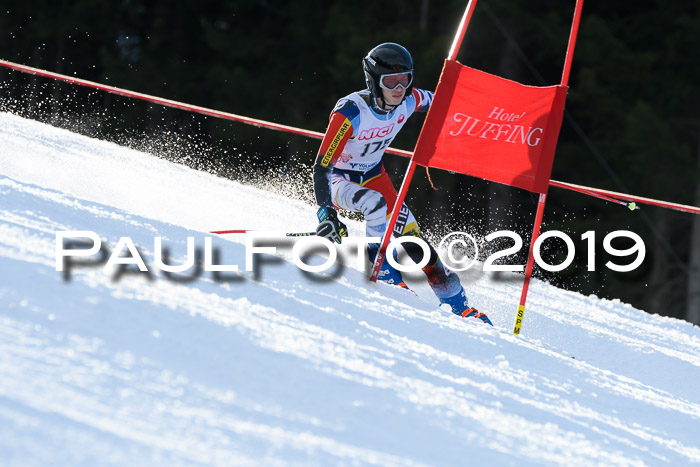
[{"x": 286, "y": 368}]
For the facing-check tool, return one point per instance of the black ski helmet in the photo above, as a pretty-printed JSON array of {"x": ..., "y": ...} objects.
[{"x": 384, "y": 59}]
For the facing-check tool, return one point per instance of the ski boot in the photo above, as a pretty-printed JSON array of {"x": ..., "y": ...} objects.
[
  {"x": 458, "y": 304},
  {"x": 387, "y": 273}
]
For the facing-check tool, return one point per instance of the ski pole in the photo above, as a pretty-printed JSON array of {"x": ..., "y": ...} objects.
[
  {"x": 631, "y": 205},
  {"x": 288, "y": 234}
]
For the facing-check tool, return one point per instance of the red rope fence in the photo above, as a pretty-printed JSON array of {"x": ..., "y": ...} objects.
[{"x": 308, "y": 133}]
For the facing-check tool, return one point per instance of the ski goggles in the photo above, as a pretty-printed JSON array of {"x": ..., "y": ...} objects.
[{"x": 393, "y": 80}]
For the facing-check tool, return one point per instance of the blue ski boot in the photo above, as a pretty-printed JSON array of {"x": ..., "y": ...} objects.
[
  {"x": 387, "y": 273},
  {"x": 458, "y": 304}
]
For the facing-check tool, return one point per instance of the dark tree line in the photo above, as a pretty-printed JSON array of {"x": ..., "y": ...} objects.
[{"x": 632, "y": 121}]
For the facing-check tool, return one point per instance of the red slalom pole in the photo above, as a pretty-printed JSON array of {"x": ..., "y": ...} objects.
[
  {"x": 572, "y": 43},
  {"x": 543, "y": 196},
  {"x": 530, "y": 263},
  {"x": 459, "y": 37},
  {"x": 381, "y": 254},
  {"x": 392, "y": 221}
]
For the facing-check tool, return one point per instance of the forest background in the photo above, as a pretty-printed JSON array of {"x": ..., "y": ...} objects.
[{"x": 631, "y": 124}]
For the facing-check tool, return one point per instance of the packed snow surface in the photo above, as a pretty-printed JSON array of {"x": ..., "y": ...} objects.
[{"x": 278, "y": 366}]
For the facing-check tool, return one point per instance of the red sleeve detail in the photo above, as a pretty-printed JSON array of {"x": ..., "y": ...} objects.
[
  {"x": 418, "y": 97},
  {"x": 337, "y": 135}
]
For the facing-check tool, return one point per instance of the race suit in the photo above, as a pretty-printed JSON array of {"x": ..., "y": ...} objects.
[{"x": 349, "y": 174}]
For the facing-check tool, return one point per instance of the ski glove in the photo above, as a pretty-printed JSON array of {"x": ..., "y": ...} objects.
[{"x": 329, "y": 226}]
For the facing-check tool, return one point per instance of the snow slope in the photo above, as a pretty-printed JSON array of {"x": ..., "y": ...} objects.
[{"x": 281, "y": 367}]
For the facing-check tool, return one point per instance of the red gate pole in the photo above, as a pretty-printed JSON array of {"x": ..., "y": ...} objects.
[
  {"x": 530, "y": 263},
  {"x": 572, "y": 43},
  {"x": 543, "y": 196},
  {"x": 381, "y": 254}
]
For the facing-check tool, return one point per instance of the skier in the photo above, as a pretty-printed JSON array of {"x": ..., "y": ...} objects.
[{"x": 349, "y": 172}]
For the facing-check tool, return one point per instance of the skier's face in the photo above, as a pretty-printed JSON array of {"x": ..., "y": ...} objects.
[{"x": 394, "y": 97}]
